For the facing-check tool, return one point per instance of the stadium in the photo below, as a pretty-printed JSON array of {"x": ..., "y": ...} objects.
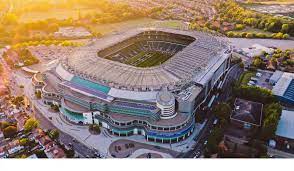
[{"x": 147, "y": 81}]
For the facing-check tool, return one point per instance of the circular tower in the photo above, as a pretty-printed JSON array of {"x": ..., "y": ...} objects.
[{"x": 165, "y": 101}]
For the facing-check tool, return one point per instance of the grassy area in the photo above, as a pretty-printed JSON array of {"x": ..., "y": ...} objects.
[
  {"x": 245, "y": 77},
  {"x": 106, "y": 29},
  {"x": 56, "y": 13}
]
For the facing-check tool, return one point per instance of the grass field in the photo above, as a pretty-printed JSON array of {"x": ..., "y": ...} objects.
[
  {"x": 156, "y": 58},
  {"x": 148, "y": 59},
  {"x": 245, "y": 77},
  {"x": 106, "y": 29},
  {"x": 56, "y": 13}
]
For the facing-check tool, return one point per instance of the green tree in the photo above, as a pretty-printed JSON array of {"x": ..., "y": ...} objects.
[
  {"x": 213, "y": 140},
  {"x": 24, "y": 141},
  {"x": 230, "y": 34},
  {"x": 222, "y": 111},
  {"x": 54, "y": 134},
  {"x": 38, "y": 94},
  {"x": 31, "y": 124},
  {"x": 4, "y": 124},
  {"x": 286, "y": 36},
  {"x": 249, "y": 35},
  {"x": 9, "y": 131},
  {"x": 94, "y": 128},
  {"x": 285, "y": 28},
  {"x": 257, "y": 62}
]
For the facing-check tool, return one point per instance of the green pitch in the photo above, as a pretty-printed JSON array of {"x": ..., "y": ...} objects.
[{"x": 148, "y": 59}]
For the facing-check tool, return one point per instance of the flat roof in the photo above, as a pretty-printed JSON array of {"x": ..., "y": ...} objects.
[
  {"x": 286, "y": 125},
  {"x": 74, "y": 107},
  {"x": 179, "y": 119},
  {"x": 51, "y": 82},
  {"x": 283, "y": 83}
]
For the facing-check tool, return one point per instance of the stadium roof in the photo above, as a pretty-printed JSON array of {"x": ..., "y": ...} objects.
[
  {"x": 286, "y": 125},
  {"x": 193, "y": 61}
]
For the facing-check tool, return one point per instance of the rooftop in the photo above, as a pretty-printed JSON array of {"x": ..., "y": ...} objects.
[
  {"x": 197, "y": 56},
  {"x": 177, "y": 120},
  {"x": 286, "y": 125},
  {"x": 247, "y": 112},
  {"x": 285, "y": 87}
]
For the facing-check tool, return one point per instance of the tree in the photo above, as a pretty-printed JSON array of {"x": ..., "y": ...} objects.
[
  {"x": 272, "y": 113},
  {"x": 285, "y": 28},
  {"x": 54, "y": 134},
  {"x": 9, "y": 131},
  {"x": 38, "y": 94},
  {"x": 222, "y": 111},
  {"x": 31, "y": 124},
  {"x": 253, "y": 93},
  {"x": 4, "y": 124},
  {"x": 24, "y": 141},
  {"x": 213, "y": 140},
  {"x": 257, "y": 62},
  {"x": 94, "y": 128},
  {"x": 40, "y": 154}
]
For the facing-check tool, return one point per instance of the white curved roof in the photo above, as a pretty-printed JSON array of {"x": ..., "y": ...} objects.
[{"x": 182, "y": 66}]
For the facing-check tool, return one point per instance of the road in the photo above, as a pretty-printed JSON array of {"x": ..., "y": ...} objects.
[
  {"x": 278, "y": 153},
  {"x": 232, "y": 75},
  {"x": 245, "y": 43}
]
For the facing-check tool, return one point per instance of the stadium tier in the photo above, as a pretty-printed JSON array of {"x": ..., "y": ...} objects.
[{"x": 149, "y": 82}]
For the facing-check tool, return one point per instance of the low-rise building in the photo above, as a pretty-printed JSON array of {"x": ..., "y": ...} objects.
[
  {"x": 246, "y": 114},
  {"x": 285, "y": 127},
  {"x": 257, "y": 50},
  {"x": 284, "y": 88}
]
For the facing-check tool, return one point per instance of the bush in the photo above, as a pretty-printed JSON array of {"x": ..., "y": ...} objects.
[
  {"x": 249, "y": 35},
  {"x": 239, "y": 27}
]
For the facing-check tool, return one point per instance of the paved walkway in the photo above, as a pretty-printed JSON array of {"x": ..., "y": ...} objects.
[
  {"x": 142, "y": 153},
  {"x": 124, "y": 148}
]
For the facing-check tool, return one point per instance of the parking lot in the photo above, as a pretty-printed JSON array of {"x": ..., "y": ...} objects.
[{"x": 259, "y": 79}]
